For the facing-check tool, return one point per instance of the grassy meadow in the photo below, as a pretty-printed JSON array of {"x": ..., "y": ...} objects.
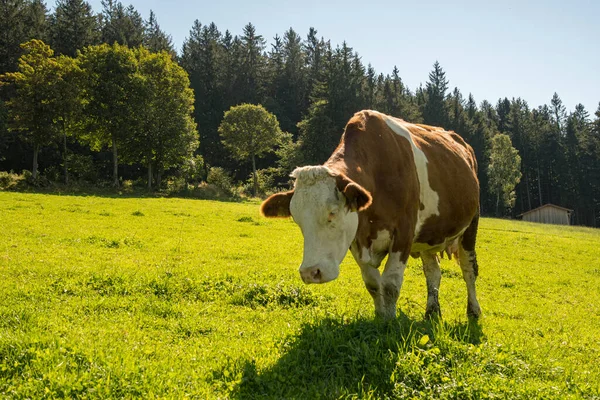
[{"x": 120, "y": 297}]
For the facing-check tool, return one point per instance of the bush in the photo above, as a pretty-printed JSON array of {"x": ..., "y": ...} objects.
[
  {"x": 9, "y": 180},
  {"x": 82, "y": 167},
  {"x": 266, "y": 182},
  {"x": 40, "y": 181},
  {"x": 193, "y": 170},
  {"x": 219, "y": 178}
]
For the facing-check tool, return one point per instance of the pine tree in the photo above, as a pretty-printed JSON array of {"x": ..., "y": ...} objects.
[
  {"x": 371, "y": 87},
  {"x": 294, "y": 84},
  {"x": 253, "y": 66},
  {"x": 314, "y": 50},
  {"x": 518, "y": 126},
  {"x": 36, "y": 19},
  {"x": 502, "y": 112},
  {"x": 155, "y": 39},
  {"x": 434, "y": 109},
  {"x": 318, "y": 134},
  {"x": 73, "y": 26},
  {"x": 203, "y": 57},
  {"x": 471, "y": 107},
  {"x": 20, "y": 21},
  {"x": 559, "y": 113},
  {"x": 123, "y": 25},
  {"x": 457, "y": 117}
]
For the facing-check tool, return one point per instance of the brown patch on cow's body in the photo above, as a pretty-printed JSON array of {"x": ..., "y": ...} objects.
[{"x": 381, "y": 161}]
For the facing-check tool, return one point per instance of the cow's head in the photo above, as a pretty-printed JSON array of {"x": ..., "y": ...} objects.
[{"x": 324, "y": 204}]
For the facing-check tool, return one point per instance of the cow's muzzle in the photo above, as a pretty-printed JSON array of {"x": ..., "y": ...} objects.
[
  {"x": 311, "y": 275},
  {"x": 317, "y": 274}
]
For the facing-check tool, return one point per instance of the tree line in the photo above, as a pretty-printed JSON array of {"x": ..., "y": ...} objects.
[{"x": 312, "y": 87}]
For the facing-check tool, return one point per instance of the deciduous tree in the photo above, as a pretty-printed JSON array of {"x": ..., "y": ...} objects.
[
  {"x": 167, "y": 134},
  {"x": 249, "y": 131},
  {"x": 32, "y": 110},
  {"x": 114, "y": 96},
  {"x": 504, "y": 170}
]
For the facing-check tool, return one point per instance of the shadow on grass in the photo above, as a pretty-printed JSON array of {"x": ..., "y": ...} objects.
[{"x": 332, "y": 358}]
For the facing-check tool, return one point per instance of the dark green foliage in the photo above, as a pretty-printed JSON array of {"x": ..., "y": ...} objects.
[
  {"x": 434, "y": 109},
  {"x": 20, "y": 21},
  {"x": 318, "y": 134},
  {"x": 73, "y": 26},
  {"x": 155, "y": 39},
  {"x": 120, "y": 24}
]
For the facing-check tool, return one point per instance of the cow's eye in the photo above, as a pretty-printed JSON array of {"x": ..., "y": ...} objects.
[{"x": 331, "y": 216}]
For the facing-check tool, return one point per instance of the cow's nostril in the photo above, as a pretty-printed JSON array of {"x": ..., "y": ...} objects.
[{"x": 316, "y": 274}]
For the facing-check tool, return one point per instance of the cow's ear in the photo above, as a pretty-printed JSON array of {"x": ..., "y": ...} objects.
[
  {"x": 357, "y": 197},
  {"x": 277, "y": 205}
]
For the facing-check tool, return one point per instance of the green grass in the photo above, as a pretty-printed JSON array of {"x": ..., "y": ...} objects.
[{"x": 127, "y": 297}]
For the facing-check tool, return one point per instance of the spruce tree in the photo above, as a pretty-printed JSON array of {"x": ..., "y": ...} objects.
[
  {"x": 294, "y": 84},
  {"x": 201, "y": 58},
  {"x": 251, "y": 82},
  {"x": 20, "y": 21},
  {"x": 73, "y": 26},
  {"x": 123, "y": 25},
  {"x": 314, "y": 50},
  {"x": 155, "y": 39},
  {"x": 434, "y": 109}
]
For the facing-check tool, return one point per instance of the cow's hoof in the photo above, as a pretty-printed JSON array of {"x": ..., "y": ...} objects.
[
  {"x": 386, "y": 314},
  {"x": 473, "y": 311},
  {"x": 433, "y": 313}
]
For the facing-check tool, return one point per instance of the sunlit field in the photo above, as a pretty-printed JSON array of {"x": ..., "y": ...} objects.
[{"x": 109, "y": 297}]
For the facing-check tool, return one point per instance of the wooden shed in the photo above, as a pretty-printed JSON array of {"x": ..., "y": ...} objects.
[{"x": 548, "y": 214}]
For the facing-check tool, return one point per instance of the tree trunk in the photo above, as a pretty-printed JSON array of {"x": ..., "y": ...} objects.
[
  {"x": 528, "y": 193},
  {"x": 65, "y": 162},
  {"x": 254, "y": 177},
  {"x": 498, "y": 203},
  {"x": 149, "y": 175},
  {"x": 115, "y": 163},
  {"x": 159, "y": 173},
  {"x": 36, "y": 150},
  {"x": 539, "y": 185}
]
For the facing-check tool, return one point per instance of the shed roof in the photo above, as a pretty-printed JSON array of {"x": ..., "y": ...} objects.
[{"x": 544, "y": 206}]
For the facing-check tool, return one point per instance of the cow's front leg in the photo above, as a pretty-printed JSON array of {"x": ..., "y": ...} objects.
[
  {"x": 433, "y": 276},
  {"x": 392, "y": 278},
  {"x": 372, "y": 279}
]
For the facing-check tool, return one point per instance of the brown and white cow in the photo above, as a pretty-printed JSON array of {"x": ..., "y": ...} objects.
[{"x": 390, "y": 188}]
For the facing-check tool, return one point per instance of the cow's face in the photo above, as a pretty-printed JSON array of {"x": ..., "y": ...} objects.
[{"x": 325, "y": 208}]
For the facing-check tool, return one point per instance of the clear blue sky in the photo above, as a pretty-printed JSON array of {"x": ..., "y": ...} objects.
[{"x": 527, "y": 48}]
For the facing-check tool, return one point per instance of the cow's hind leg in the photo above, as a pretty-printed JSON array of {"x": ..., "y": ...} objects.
[
  {"x": 470, "y": 270},
  {"x": 433, "y": 275}
]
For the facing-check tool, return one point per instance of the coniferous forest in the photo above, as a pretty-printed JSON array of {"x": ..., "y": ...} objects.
[{"x": 101, "y": 97}]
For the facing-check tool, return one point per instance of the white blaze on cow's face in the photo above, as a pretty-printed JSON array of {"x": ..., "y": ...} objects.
[{"x": 327, "y": 224}]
